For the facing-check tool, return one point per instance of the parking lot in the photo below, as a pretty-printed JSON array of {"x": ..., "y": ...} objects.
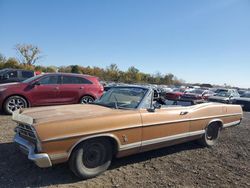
[{"x": 189, "y": 165}]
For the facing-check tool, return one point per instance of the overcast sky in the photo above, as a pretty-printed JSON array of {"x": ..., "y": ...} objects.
[{"x": 199, "y": 41}]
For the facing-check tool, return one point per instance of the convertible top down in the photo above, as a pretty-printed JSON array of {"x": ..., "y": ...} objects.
[{"x": 125, "y": 120}]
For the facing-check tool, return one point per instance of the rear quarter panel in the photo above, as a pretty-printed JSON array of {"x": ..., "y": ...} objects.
[{"x": 203, "y": 114}]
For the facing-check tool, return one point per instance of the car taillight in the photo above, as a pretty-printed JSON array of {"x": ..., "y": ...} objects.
[{"x": 102, "y": 88}]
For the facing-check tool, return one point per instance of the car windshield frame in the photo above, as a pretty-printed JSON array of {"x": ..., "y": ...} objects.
[
  {"x": 118, "y": 104},
  {"x": 31, "y": 79}
]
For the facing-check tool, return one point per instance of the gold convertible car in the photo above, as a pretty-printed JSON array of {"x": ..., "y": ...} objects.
[{"x": 125, "y": 120}]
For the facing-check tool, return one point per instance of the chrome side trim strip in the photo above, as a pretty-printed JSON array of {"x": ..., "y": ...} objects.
[
  {"x": 231, "y": 124},
  {"x": 93, "y": 134},
  {"x": 192, "y": 119},
  {"x": 159, "y": 140},
  {"x": 132, "y": 127},
  {"x": 174, "y": 137},
  {"x": 130, "y": 146}
]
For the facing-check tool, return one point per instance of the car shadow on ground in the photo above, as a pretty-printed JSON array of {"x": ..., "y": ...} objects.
[
  {"x": 17, "y": 171},
  {"x": 2, "y": 113}
]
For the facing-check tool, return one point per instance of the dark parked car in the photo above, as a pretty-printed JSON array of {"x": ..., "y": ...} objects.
[
  {"x": 106, "y": 88},
  {"x": 244, "y": 101},
  {"x": 14, "y": 75},
  {"x": 50, "y": 89},
  {"x": 182, "y": 102},
  {"x": 224, "y": 96},
  {"x": 242, "y": 92}
]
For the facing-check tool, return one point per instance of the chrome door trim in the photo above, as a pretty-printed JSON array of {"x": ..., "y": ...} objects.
[{"x": 160, "y": 140}]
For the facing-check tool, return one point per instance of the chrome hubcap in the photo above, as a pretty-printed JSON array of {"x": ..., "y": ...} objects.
[
  {"x": 15, "y": 104},
  {"x": 86, "y": 100}
]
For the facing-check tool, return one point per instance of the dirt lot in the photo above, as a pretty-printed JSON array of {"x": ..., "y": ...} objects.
[{"x": 185, "y": 165}]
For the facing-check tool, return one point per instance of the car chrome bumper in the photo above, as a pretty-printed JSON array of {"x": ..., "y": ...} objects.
[{"x": 40, "y": 159}]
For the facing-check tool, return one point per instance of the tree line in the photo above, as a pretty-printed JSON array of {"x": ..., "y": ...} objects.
[{"x": 30, "y": 54}]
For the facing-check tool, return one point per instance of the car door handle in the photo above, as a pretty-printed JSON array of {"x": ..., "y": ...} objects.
[
  {"x": 81, "y": 87},
  {"x": 56, "y": 88},
  {"x": 183, "y": 113}
]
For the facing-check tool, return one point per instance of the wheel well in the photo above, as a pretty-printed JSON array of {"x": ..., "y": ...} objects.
[
  {"x": 216, "y": 122},
  {"x": 28, "y": 103},
  {"x": 112, "y": 141}
]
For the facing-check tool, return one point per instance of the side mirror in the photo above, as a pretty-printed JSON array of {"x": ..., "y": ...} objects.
[
  {"x": 151, "y": 109},
  {"x": 36, "y": 83},
  {"x": 154, "y": 107}
]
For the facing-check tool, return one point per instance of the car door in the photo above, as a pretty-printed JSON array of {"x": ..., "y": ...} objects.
[
  {"x": 72, "y": 88},
  {"x": 46, "y": 91},
  {"x": 164, "y": 125}
]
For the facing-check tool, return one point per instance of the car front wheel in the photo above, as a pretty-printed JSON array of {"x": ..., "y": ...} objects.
[
  {"x": 14, "y": 103},
  {"x": 91, "y": 158}
]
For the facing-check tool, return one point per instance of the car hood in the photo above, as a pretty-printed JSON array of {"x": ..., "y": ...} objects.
[
  {"x": 218, "y": 98},
  {"x": 191, "y": 94},
  {"x": 61, "y": 113},
  {"x": 242, "y": 99},
  {"x": 9, "y": 84},
  {"x": 13, "y": 84}
]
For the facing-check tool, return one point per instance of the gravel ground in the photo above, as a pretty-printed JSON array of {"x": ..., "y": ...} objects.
[{"x": 184, "y": 165}]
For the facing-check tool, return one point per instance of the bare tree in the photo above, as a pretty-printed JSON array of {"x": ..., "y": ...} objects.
[{"x": 29, "y": 53}]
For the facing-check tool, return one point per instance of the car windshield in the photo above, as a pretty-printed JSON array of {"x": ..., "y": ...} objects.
[
  {"x": 31, "y": 79},
  {"x": 196, "y": 91},
  {"x": 122, "y": 97},
  {"x": 223, "y": 94},
  {"x": 221, "y": 90}
]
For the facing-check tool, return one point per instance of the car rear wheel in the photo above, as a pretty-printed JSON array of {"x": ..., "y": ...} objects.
[
  {"x": 91, "y": 158},
  {"x": 14, "y": 103},
  {"x": 86, "y": 99},
  {"x": 211, "y": 136}
]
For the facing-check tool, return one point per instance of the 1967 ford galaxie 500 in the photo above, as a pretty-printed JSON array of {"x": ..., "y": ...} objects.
[{"x": 125, "y": 120}]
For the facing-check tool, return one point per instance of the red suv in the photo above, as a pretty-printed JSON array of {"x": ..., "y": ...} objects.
[{"x": 50, "y": 89}]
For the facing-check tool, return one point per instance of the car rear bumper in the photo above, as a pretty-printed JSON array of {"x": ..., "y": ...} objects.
[{"x": 40, "y": 159}]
